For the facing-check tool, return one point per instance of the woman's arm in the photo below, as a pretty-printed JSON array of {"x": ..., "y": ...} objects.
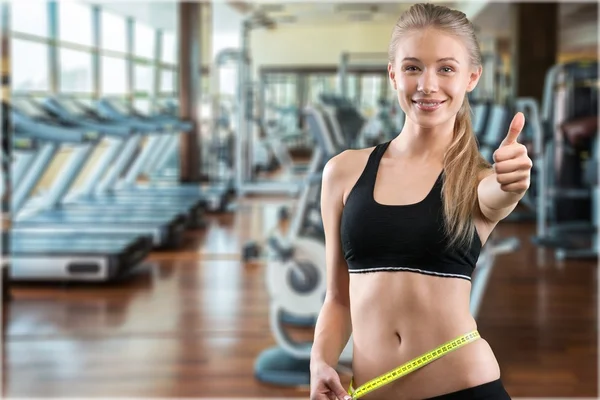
[
  {"x": 333, "y": 328},
  {"x": 500, "y": 191}
]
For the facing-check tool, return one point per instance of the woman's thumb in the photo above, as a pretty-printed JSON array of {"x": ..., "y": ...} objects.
[{"x": 338, "y": 389}]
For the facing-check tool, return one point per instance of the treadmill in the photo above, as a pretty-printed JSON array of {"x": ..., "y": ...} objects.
[
  {"x": 97, "y": 191},
  {"x": 217, "y": 151},
  {"x": 59, "y": 256},
  {"x": 215, "y": 196},
  {"x": 49, "y": 216}
]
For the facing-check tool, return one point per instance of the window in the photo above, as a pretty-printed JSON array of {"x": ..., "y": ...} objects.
[
  {"x": 228, "y": 80},
  {"x": 114, "y": 75},
  {"x": 282, "y": 91},
  {"x": 167, "y": 81},
  {"x": 29, "y": 66},
  {"x": 169, "y": 50},
  {"x": 144, "y": 79},
  {"x": 29, "y": 17},
  {"x": 320, "y": 84},
  {"x": 114, "y": 32},
  {"x": 352, "y": 88},
  {"x": 370, "y": 91},
  {"x": 142, "y": 105},
  {"x": 144, "y": 39},
  {"x": 75, "y": 23},
  {"x": 75, "y": 71}
]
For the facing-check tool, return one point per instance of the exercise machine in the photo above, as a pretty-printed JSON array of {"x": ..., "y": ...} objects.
[
  {"x": 295, "y": 279},
  {"x": 48, "y": 214},
  {"x": 109, "y": 200},
  {"x": 567, "y": 161},
  {"x": 247, "y": 181},
  {"x": 343, "y": 119},
  {"x": 216, "y": 159},
  {"x": 494, "y": 131},
  {"x": 66, "y": 256},
  {"x": 385, "y": 125},
  {"x": 192, "y": 196}
]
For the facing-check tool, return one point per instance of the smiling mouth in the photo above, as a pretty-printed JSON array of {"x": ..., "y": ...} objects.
[
  {"x": 428, "y": 106},
  {"x": 429, "y": 103}
]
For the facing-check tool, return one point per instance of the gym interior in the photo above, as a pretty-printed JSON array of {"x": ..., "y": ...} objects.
[{"x": 162, "y": 234}]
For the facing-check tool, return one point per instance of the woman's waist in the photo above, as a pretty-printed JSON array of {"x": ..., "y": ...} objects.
[
  {"x": 455, "y": 361},
  {"x": 404, "y": 336}
]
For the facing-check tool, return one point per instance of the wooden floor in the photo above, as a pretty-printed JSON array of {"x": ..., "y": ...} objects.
[{"x": 192, "y": 323}]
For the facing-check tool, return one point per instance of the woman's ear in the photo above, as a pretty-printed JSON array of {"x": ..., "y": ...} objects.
[
  {"x": 474, "y": 78},
  {"x": 392, "y": 74}
]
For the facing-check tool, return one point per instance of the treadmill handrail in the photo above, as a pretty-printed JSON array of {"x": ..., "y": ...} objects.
[
  {"x": 107, "y": 110},
  {"x": 140, "y": 126},
  {"x": 178, "y": 124},
  {"x": 96, "y": 114},
  {"x": 49, "y": 132},
  {"x": 105, "y": 127}
]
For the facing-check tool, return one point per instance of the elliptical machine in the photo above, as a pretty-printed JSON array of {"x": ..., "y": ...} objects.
[{"x": 296, "y": 280}]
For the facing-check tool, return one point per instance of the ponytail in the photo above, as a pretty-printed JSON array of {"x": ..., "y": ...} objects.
[{"x": 462, "y": 166}]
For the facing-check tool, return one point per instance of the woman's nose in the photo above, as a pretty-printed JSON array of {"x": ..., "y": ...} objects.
[{"x": 428, "y": 82}]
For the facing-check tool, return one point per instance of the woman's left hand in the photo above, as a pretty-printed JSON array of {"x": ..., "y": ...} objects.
[{"x": 511, "y": 161}]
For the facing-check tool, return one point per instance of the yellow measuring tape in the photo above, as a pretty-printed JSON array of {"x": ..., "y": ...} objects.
[{"x": 413, "y": 365}]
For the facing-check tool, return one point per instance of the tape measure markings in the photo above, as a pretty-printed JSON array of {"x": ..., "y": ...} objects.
[{"x": 413, "y": 364}]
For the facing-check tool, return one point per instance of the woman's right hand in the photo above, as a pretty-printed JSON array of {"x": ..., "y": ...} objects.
[{"x": 325, "y": 384}]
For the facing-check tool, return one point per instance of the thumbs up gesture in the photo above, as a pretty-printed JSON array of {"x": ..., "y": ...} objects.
[{"x": 511, "y": 162}]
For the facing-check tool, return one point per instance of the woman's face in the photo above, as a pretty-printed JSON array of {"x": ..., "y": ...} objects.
[{"x": 431, "y": 75}]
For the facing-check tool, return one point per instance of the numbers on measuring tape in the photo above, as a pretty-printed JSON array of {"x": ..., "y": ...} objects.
[{"x": 411, "y": 365}]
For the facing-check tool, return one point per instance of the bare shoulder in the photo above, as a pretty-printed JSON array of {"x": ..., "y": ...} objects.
[
  {"x": 342, "y": 171},
  {"x": 347, "y": 161}
]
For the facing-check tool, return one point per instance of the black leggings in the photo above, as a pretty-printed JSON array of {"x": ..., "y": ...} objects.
[{"x": 488, "y": 391}]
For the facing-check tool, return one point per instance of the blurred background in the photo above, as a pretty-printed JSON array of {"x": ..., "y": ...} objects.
[{"x": 162, "y": 235}]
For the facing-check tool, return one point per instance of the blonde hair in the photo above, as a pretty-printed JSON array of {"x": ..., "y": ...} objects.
[{"x": 463, "y": 161}]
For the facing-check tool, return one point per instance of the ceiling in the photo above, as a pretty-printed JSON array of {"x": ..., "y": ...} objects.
[
  {"x": 493, "y": 18},
  {"x": 160, "y": 14},
  {"x": 338, "y": 11},
  {"x": 319, "y": 13},
  {"x": 163, "y": 13}
]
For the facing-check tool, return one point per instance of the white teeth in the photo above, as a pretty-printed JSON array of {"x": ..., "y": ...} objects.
[{"x": 428, "y": 104}]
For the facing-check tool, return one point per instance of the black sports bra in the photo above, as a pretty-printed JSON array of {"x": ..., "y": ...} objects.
[{"x": 377, "y": 237}]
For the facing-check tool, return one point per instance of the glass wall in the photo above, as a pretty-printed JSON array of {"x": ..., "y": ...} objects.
[
  {"x": 102, "y": 55},
  {"x": 29, "y": 47},
  {"x": 297, "y": 89}
]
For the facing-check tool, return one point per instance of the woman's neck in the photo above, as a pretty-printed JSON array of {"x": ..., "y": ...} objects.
[{"x": 420, "y": 143}]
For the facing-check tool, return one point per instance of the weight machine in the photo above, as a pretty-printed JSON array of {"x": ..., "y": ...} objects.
[
  {"x": 246, "y": 179},
  {"x": 567, "y": 162}
]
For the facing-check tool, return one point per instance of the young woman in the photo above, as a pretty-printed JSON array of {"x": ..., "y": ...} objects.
[{"x": 405, "y": 222}]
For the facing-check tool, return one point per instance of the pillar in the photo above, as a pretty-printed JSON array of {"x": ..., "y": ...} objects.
[
  {"x": 190, "y": 66},
  {"x": 534, "y": 46}
]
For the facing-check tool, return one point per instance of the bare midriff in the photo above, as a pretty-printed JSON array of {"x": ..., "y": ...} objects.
[{"x": 397, "y": 316}]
